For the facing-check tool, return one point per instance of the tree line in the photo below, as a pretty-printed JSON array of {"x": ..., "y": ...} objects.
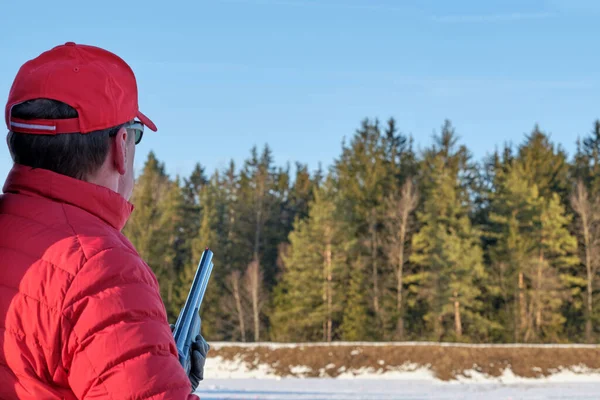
[{"x": 389, "y": 243}]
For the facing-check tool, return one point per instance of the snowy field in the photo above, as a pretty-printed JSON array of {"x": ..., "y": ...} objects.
[
  {"x": 233, "y": 380},
  {"x": 388, "y": 389}
]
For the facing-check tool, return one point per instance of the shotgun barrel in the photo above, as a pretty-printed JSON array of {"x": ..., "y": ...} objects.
[{"x": 187, "y": 326}]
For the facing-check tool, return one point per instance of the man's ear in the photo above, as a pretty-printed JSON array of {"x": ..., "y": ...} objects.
[{"x": 120, "y": 153}]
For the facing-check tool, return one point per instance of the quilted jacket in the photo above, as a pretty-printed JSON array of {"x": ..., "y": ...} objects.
[{"x": 80, "y": 312}]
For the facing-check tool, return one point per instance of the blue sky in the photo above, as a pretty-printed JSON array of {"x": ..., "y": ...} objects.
[{"x": 219, "y": 76}]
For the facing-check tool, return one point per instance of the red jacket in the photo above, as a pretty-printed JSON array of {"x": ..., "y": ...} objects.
[{"x": 80, "y": 312}]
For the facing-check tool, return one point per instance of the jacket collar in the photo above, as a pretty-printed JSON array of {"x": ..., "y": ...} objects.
[{"x": 96, "y": 200}]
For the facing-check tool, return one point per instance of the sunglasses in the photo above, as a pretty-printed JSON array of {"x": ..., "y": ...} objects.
[{"x": 135, "y": 129}]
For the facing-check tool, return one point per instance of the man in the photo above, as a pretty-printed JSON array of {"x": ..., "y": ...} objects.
[{"x": 80, "y": 312}]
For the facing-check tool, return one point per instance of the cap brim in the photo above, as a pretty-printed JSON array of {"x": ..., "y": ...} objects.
[{"x": 146, "y": 121}]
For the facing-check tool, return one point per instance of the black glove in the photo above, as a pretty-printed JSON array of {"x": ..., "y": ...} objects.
[{"x": 198, "y": 351}]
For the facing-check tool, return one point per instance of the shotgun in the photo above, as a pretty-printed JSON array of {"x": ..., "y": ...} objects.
[{"x": 187, "y": 326}]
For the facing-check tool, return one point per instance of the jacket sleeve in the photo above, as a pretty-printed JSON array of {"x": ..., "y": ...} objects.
[{"x": 117, "y": 343}]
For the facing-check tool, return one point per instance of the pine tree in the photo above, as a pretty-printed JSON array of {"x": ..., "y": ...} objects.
[
  {"x": 545, "y": 165},
  {"x": 362, "y": 176},
  {"x": 368, "y": 171},
  {"x": 513, "y": 207},
  {"x": 447, "y": 248},
  {"x": 299, "y": 308},
  {"x": 556, "y": 251},
  {"x": 495, "y": 289},
  {"x": 533, "y": 247},
  {"x": 307, "y": 302}
]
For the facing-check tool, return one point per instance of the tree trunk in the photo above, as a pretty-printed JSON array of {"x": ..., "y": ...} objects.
[
  {"x": 590, "y": 306},
  {"x": 329, "y": 291},
  {"x": 253, "y": 281},
  {"x": 399, "y": 275},
  {"x": 397, "y": 223},
  {"x": 399, "y": 310},
  {"x": 538, "y": 295},
  {"x": 587, "y": 212},
  {"x": 255, "y": 269},
  {"x": 589, "y": 277},
  {"x": 235, "y": 281},
  {"x": 235, "y": 278},
  {"x": 506, "y": 297},
  {"x": 457, "y": 321},
  {"x": 522, "y": 306},
  {"x": 255, "y": 304}
]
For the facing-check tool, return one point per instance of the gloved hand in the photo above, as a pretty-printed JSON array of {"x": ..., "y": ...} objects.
[{"x": 199, "y": 350}]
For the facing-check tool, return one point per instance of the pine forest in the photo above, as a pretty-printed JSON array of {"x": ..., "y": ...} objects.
[{"x": 390, "y": 243}]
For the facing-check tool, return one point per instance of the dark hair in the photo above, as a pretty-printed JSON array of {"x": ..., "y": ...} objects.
[{"x": 73, "y": 154}]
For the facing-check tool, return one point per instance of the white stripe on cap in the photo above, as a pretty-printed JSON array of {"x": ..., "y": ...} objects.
[{"x": 32, "y": 126}]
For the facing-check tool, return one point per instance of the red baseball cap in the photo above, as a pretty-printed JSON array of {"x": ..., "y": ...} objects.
[{"x": 95, "y": 82}]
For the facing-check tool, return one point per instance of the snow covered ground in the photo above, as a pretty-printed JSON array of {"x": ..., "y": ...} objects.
[
  {"x": 373, "y": 389},
  {"x": 232, "y": 380},
  {"x": 217, "y": 368}
]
